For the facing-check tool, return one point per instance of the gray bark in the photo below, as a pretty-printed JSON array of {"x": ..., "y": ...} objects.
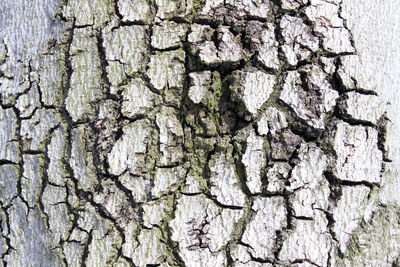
[{"x": 199, "y": 133}]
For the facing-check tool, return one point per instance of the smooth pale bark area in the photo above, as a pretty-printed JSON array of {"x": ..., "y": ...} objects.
[
  {"x": 199, "y": 133},
  {"x": 376, "y": 32}
]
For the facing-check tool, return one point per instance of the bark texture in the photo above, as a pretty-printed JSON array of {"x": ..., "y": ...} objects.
[{"x": 193, "y": 133}]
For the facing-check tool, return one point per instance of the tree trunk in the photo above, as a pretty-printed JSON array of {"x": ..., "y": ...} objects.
[{"x": 199, "y": 133}]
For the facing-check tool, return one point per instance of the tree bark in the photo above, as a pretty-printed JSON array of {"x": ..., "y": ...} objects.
[{"x": 197, "y": 133}]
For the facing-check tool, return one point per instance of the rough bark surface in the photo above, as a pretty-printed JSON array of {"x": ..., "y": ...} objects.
[{"x": 192, "y": 133}]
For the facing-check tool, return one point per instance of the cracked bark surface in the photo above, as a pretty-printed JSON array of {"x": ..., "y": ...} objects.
[{"x": 191, "y": 133}]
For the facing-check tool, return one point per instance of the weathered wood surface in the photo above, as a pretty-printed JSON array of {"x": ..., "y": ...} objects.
[{"x": 199, "y": 133}]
